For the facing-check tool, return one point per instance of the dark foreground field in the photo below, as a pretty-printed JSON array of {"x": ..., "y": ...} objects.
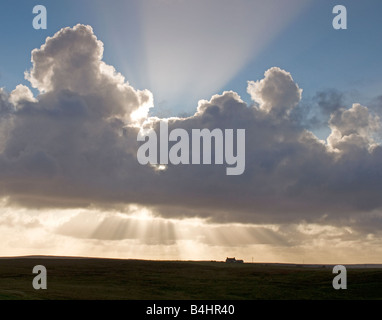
[{"x": 146, "y": 280}]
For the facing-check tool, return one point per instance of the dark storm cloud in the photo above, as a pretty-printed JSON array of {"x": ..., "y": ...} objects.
[{"x": 76, "y": 146}]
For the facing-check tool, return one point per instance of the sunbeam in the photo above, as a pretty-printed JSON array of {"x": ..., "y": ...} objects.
[
  {"x": 194, "y": 48},
  {"x": 189, "y": 50}
]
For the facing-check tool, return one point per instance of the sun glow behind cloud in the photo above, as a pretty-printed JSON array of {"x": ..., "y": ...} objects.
[
  {"x": 193, "y": 48},
  {"x": 137, "y": 232},
  {"x": 188, "y": 50}
]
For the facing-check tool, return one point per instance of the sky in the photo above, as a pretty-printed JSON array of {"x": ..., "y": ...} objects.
[{"x": 74, "y": 97}]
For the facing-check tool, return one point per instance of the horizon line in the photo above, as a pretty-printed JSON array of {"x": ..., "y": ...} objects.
[{"x": 350, "y": 265}]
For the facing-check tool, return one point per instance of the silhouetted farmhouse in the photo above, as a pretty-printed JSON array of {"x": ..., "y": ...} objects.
[{"x": 233, "y": 260}]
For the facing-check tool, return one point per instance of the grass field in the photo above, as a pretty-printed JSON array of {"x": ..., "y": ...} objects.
[{"x": 103, "y": 279}]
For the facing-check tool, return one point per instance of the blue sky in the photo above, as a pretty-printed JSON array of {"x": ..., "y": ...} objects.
[{"x": 317, "y": 56}]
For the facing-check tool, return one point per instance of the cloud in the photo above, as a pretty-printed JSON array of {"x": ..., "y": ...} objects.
[
  {"x": 5, "y": 106},
  {"x": 314, "y": 113},
  {"x": 6, "y": 110},
  {"x": 329, "y": 101},
  {"x": 352, "y": 128},
  {"x": 277, "y": 93},
  {"x": 70, "y": 62},
  {"x": 20, "y": 95},
  {"x": 74, "y": 145},
  {"x": 130, "y": 234}
]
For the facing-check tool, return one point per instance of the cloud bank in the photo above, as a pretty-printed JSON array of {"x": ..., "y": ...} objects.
[{"x": 74, "y": 146}]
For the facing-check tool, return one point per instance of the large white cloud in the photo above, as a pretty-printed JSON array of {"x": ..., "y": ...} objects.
[
  {"x": 71, "y": 61},
  {"x": 74, "y": 145}
]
